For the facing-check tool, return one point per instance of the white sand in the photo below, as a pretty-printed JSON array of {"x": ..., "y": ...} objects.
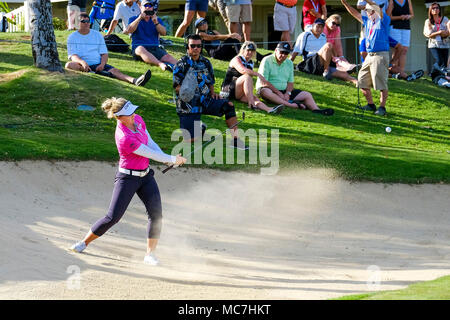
[{"x": 303, "y": 235}]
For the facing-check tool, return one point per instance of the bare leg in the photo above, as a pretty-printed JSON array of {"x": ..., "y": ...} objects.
[
  {"x": 119, "y": 75},
  {"x": 168, "y": 58},
  {"x": 368, "y": 94},
  {"x": 147, "y": 57},
  {"x": 247, "y": 30},
  {"x": 231, "y": 122},
  {"x": 269, "y": 95},
  {"x": 188, "y": 16},
  {"x": 344, "y": 76},
  {"x": 307, "y": 99},
  {"x": 286, "y": 36},
  {"x": 326, "y": 54},
  {"x": 383, "y": 98},
  {"x": 90, "y": 236},
  {"x": 151, "y": 245}
]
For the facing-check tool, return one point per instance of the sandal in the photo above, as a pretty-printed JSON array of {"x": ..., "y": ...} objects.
[{"x": 277, "y": 109}]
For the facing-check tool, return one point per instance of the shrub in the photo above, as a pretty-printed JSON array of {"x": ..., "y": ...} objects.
[{"x": 59, "y": 24}]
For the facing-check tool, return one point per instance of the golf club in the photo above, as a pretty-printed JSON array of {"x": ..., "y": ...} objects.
[{"x": 207, "y": 142}]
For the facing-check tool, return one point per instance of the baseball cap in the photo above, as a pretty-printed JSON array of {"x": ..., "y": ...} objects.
[
  {"x": 198, "y": 21},
  {"x": 319, "y": 21},
  {"x": 284, "y": 46},
  {"x": 154, "y": 3},
  {"x": 127, "y": 110},
  {"x": 249, "y": 46}
]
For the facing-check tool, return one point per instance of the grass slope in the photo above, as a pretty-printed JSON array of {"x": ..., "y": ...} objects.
[
  {"x": 437, "y": 289},
  {"x": 39, "y": 120}
]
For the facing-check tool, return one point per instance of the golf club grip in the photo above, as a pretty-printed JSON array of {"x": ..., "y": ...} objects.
[{"x": 167, "y": 169}]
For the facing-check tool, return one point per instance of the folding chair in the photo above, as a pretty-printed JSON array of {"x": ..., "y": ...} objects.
[{"x": 102, "y": 14}]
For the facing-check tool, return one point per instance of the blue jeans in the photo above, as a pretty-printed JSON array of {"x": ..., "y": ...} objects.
[{"x": 440, "y": 56}]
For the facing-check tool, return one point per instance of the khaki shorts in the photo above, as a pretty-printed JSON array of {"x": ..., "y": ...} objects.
[
  {"x": 284, "y": 19},
  {"x": 239, "y": 12},
  {"x": 374, "y": 71}
]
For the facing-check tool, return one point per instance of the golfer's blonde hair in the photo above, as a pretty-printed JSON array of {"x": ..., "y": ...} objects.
[
  {"x": 245, "y": 46},
  {"x": 334, "y": 17},
  {"x": 113, "y": 105}
]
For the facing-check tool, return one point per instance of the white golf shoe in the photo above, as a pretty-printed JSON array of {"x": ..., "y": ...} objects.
[
  {"x": 151, "y": 259},
  {"x": 78, "y": 247}
]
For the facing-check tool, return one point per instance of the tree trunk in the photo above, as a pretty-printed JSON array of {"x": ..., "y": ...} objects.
[{"x": 43, "y": 41}]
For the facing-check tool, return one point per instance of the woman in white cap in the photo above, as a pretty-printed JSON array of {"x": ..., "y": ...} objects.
[
  {"x": 134, "y": 175},
  {"x": 238, "y": 81}
]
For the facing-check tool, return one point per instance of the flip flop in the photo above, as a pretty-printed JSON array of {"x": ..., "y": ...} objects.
[{"x": 277, "y": 109}]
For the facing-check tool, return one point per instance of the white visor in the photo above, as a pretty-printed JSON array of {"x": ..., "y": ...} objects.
[{"x": 127, "y": 110}]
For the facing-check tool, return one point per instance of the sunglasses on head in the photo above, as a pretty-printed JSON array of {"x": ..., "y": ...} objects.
[
  {"x": 336, "y": 24},
  {"x": 195, "y": 46}
]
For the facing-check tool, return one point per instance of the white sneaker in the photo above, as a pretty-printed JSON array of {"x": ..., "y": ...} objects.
[
  {"x": 78, "y": 247},
  {"x": 151, "y": 259}
]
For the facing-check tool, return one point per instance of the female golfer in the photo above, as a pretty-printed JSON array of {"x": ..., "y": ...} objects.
[
  {"x": 135, "y": 147},
  {"x": 238, "y": 82}
]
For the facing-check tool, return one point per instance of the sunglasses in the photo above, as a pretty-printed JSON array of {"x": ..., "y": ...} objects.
[
  {"x": 435, "y": 8},
  {"x": 336, "y": 24},
  {"x": 195, "y": 46},
  {"x": 202, "y": 23},
  {"x": 284, "y": 52},
  {"x": 85, "y": 21}
]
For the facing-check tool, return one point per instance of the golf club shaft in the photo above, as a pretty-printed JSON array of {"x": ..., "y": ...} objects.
[{"x": 207, "y": 142}]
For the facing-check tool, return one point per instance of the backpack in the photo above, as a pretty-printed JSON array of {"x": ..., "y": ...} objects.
[{"x": 116, "y": 44}]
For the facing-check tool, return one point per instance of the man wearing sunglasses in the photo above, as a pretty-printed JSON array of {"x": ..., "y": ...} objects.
[
  {"x": 318, "y": 54},
  {"x": 87, "y": 52},
  {"x": 193, "y": 81},
  {"x": 145, "y": 30},
  {"x": 279, "y": 87}
]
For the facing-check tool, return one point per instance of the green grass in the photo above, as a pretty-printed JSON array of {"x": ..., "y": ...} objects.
[
  {"x": 429, "y": 290},
  {"x": 39, "y": 120}
]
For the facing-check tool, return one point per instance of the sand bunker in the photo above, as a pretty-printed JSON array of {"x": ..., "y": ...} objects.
[{"x": 303, "y": 235}]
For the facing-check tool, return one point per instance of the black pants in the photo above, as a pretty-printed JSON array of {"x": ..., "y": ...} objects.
[
  {"x": 227, "y": 50},
  {"x": 125, "y": 187}
]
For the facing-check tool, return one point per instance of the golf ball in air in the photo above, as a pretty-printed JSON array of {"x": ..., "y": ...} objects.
[{"x": 388, "y": 129}]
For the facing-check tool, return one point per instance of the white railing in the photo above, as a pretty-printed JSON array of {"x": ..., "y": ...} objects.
[{"x": 20, "y": 17}]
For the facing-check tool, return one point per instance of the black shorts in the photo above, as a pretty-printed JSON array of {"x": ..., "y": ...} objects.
[
  {"x": 294, "y": 92},
  {"x": 213, "y": 107},
  {"x": 313, "y": 65},
  {"x": 157, "y": 51}
]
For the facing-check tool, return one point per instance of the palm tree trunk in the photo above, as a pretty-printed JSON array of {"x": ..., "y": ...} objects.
[{"x": 43, "y": 41}]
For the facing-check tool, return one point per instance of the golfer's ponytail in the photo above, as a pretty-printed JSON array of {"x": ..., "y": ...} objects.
[{"x": 113, "y": 105}]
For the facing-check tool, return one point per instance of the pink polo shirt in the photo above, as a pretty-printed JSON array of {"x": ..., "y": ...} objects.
[{"x": 128, "y": 141}]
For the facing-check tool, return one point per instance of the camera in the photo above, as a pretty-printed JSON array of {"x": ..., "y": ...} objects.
[{"x": 149, "y": 12}]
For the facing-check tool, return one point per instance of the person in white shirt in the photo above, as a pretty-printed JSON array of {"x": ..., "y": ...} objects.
[
  {"x": 318, "y": 54},
  {"x": 87, "y": 52},
  {"x": 124, "y": 11}
]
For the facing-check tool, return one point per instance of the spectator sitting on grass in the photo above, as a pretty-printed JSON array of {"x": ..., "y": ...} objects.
[
  {"x": 318, "y": 54},
  {"x": 333, "y": 32},
  {"x": 87, "y": 51},
  {"x": 279, "y": 86},
  {"x": 145, "y": 30},
  {"x": 238, "y": 82}
]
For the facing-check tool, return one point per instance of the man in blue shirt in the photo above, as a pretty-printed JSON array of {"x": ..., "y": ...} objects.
[
  {"x": 374, "y": 71},
  {"x": 145, "y": 30}
]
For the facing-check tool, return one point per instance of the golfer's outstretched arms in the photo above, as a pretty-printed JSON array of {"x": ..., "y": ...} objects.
[{"x": 355, "y": 13}]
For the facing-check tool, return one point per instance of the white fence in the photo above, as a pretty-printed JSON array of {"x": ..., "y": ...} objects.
[{"x": 20, "y": 17}]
